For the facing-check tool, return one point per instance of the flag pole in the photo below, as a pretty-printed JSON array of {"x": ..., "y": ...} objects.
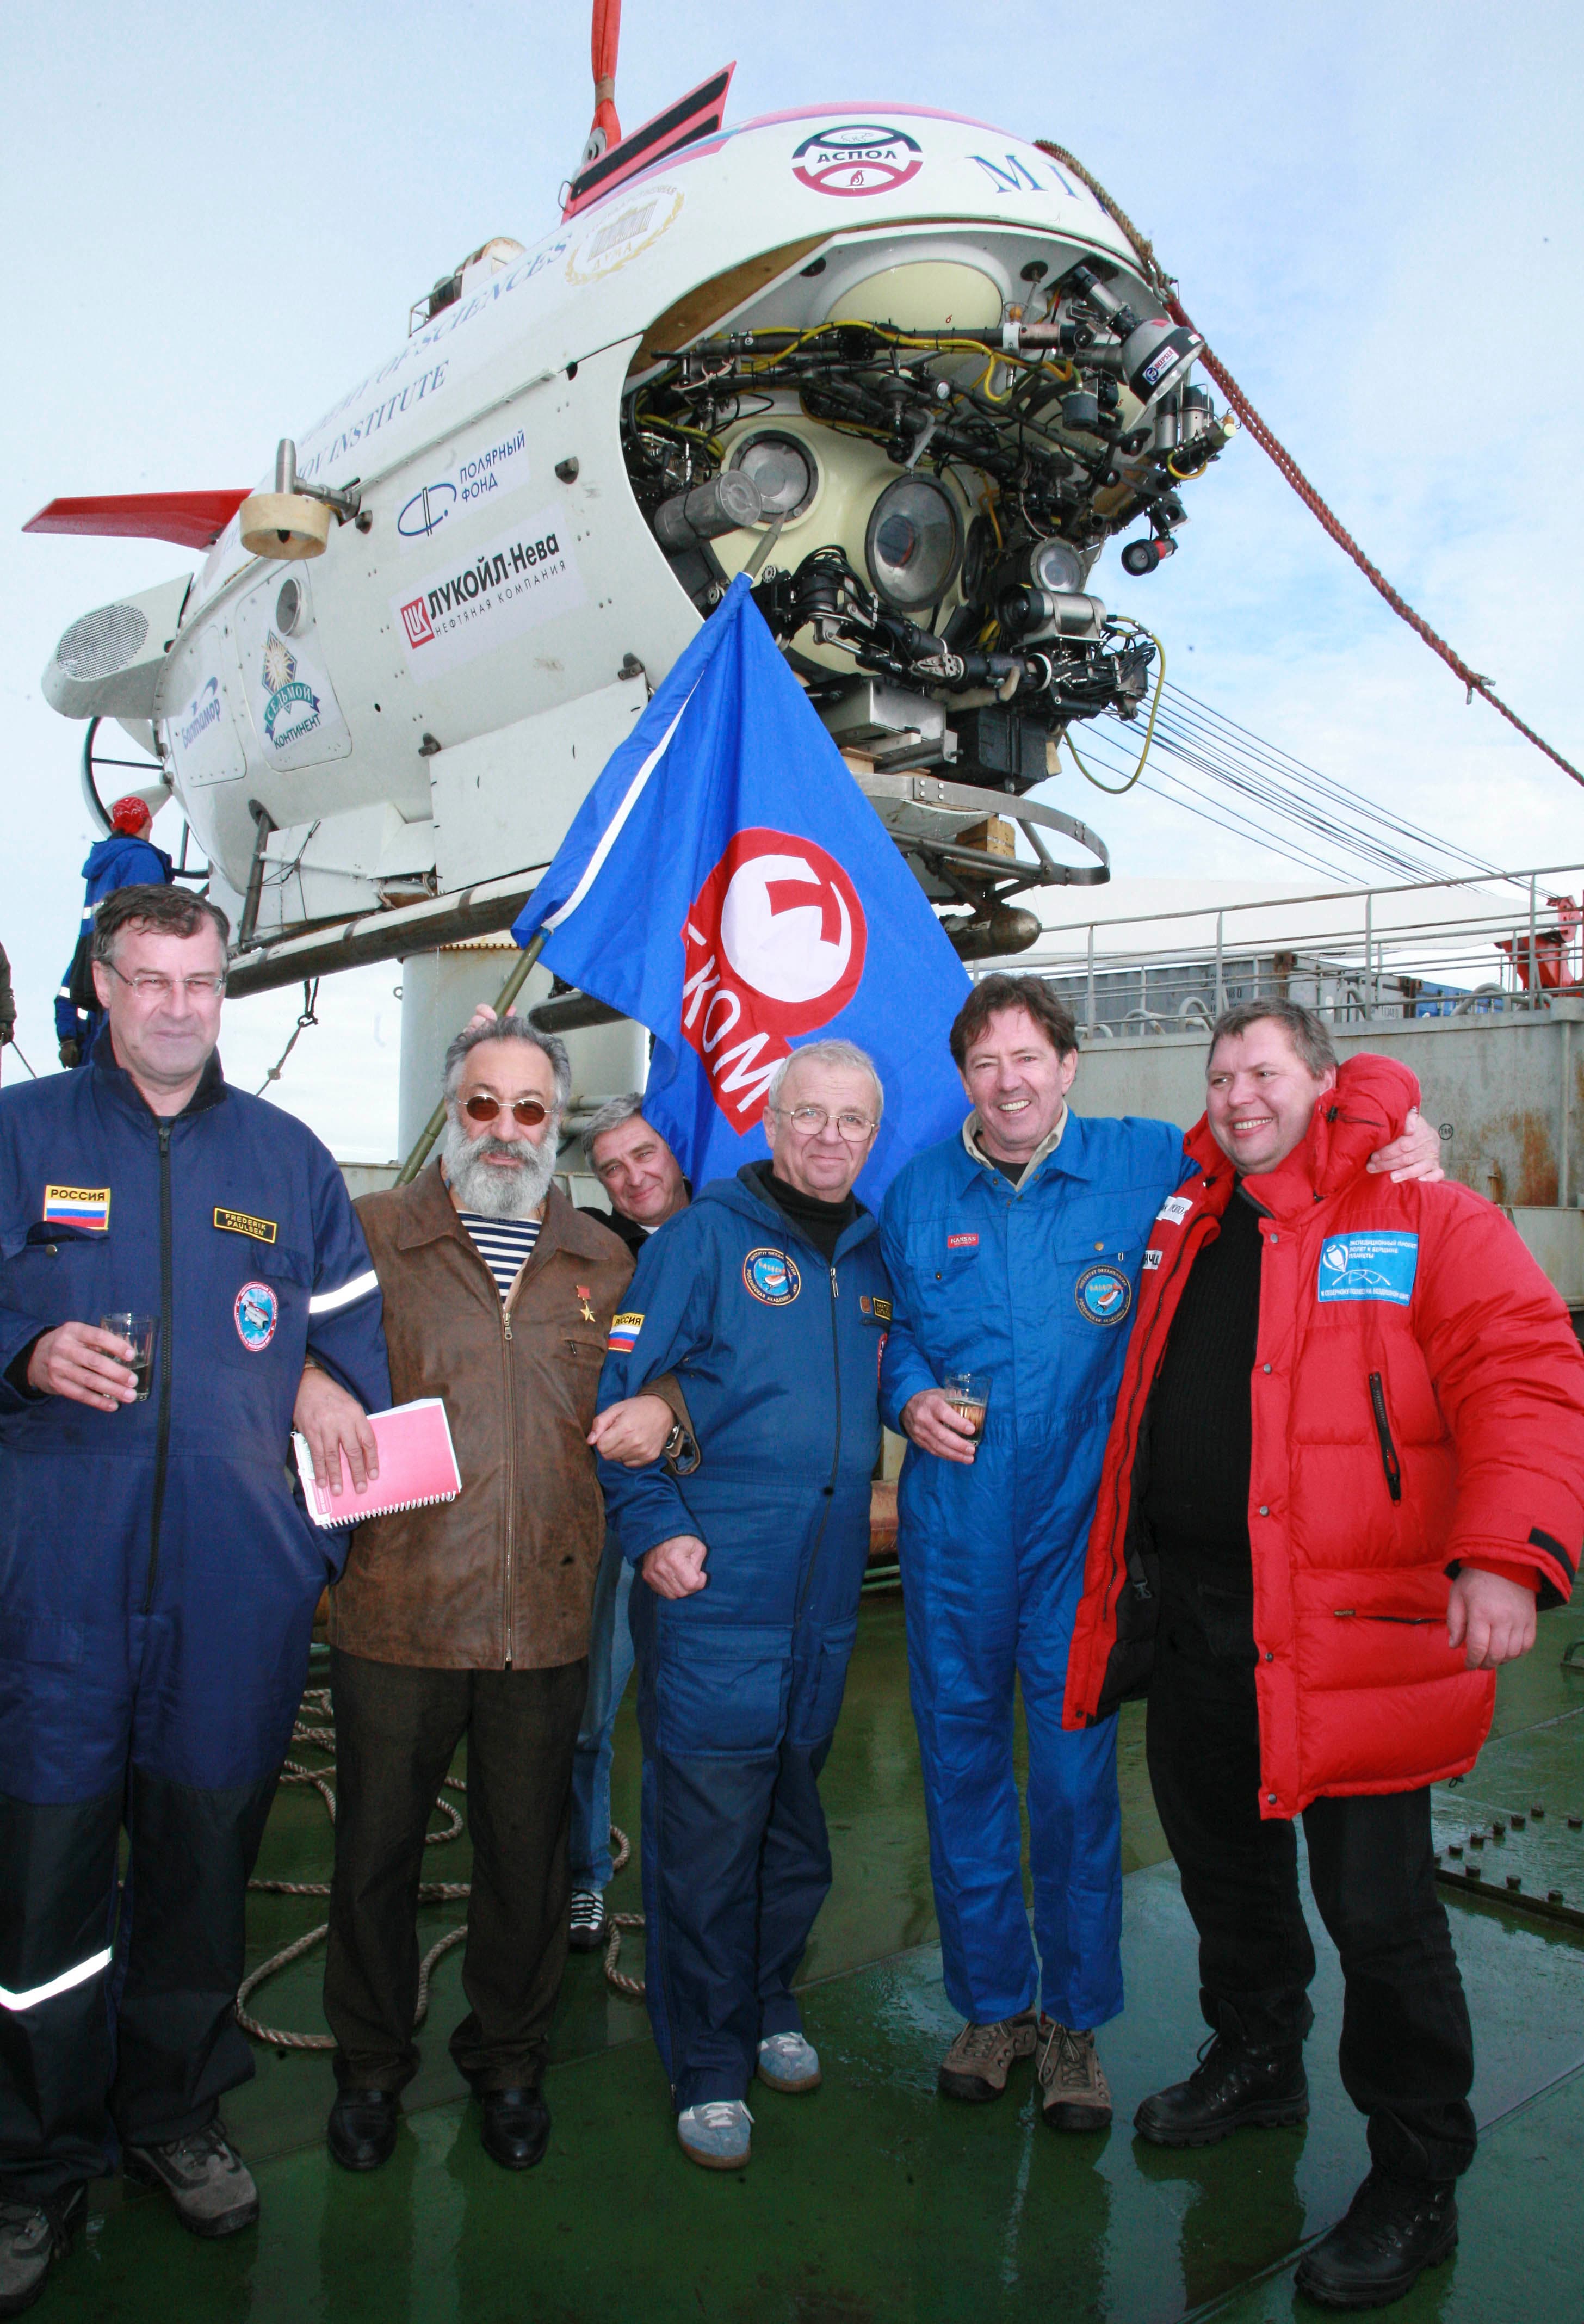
[{"x": 437, "y": 1121}]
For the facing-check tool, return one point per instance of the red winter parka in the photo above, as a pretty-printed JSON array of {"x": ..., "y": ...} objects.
[{"x": 1418, "y": 1402}]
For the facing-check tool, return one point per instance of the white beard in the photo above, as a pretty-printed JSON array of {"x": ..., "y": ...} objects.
[{"x": 479, "y": 1184}]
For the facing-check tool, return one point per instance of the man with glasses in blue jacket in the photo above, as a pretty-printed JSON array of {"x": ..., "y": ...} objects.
[
  {"x": 157, "y": 1579},
  {"x": 768, "y": 1301}
]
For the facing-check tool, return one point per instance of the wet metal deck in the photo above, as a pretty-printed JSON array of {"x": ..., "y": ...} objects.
[{"x": 873, "y": 2199}]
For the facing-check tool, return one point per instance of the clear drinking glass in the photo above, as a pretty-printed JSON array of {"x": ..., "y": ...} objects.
[
  {"x": 968, "y": 1393},
  {"x": 140, "y": 1332}
]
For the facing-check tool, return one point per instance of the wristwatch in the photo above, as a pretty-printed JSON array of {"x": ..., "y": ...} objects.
[{"x": 681, "y": 1453}]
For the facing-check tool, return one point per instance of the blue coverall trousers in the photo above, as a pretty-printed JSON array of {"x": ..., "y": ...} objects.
[
  {"x": 973, "y": 1624},
  {"x": 737, "y": 1720}
]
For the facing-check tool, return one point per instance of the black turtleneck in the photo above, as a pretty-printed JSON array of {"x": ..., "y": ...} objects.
[
  {"x": 824, "y": 1223},
  {"x": 1200, "y": 1422}
]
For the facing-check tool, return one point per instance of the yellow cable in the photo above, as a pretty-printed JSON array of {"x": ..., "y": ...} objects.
[
  {"x": 674, "y": 427},
  {"x": 981, "y": 385},
  {"x": 1116, "y": 789}
]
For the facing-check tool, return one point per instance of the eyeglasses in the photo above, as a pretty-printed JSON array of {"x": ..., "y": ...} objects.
[
  {"x": 149, "y": 986},
  {"x": 813, "y": 1120},
  {"x": 528, "y": 1112}
]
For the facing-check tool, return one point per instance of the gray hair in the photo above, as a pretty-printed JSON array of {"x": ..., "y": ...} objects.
[
  {"x": 829, "y": 1053},
  {"x": 510, "y": 1028},
  {"x": 1306, "y": 1031},
  {"x": 614, "y": 1111}
]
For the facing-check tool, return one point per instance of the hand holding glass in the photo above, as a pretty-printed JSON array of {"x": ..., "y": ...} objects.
[
  {"x": 968, "y": 1394},
  {"x": 139, "y": 1333}
]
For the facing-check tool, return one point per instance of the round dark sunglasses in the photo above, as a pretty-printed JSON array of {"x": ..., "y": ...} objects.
[{"x": 528, "y": 1112}]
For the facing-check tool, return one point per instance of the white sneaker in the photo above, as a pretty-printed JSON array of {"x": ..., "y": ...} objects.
[
  {"x": 588, "y": 1927},
  {"x": 715, "y": 2133},
  {"x": 789, "y": 2063}
]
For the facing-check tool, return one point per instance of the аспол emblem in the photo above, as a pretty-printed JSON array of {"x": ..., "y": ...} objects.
[
  {"x": 772, "y": 1276},
  {"x": 855, "y": 158},
  {"x": 1104, "y": 1294},
  {"x": 257, "y": 1312}
]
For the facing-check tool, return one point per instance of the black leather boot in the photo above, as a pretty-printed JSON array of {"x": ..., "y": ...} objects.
[
  {"x": 361, "y": 2133},
  {"x": 1394, "y": 2229},
  {"x": 1233, "y": 2085},
  {"x": 517, "y": 2127}
]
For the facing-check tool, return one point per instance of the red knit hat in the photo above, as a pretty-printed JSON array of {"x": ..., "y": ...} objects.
[{"x": 131, "y": 814}]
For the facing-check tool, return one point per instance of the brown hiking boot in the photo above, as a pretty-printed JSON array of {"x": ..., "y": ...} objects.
[
  {"x": 977, "y": 2064},
  {"x": 1073, "y": 2091}
]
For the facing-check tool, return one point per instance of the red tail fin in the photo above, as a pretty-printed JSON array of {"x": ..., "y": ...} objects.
[{"x": 191, "y": 520}]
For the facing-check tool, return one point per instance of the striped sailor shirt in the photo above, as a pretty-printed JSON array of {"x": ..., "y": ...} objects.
[{"x": 505, "y": 1246}]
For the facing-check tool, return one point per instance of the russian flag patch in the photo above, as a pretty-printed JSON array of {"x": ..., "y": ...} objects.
[
  {"x": 87, "y": 1207},
  {"x": 624, "y": 1331}
]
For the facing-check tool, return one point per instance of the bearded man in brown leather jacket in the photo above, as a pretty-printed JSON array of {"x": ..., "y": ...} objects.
[{"x": 472, "y": 1617}]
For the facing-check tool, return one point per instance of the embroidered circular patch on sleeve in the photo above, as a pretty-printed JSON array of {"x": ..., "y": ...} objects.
[
  {"x": 772, "y": 1276},
  {"x": 257, "y": 1312},
  {"x": 1103, "y": 1294}
]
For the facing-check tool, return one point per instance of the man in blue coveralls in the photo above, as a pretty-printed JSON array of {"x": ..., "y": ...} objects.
[
  {"x": 1013, "y": 1252},
  {"x": 157, "y": 1581},
  {"x": 766, "y": 1299}
]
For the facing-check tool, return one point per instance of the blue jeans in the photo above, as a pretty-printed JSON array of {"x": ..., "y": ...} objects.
[{"x": 610, "y": 1666}]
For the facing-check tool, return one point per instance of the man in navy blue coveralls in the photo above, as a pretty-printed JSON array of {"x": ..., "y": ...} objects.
[
  {"x": 1014, "y": 1251},
  {"x": 768, "y": 1301},
  {"x": 157, "y": 1579}
]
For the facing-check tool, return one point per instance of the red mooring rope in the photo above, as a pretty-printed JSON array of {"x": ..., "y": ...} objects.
[{"x": 1264, "y": 435}]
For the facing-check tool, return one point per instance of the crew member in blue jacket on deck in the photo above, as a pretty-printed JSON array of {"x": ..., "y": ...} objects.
[
  {"x": 768, "y": 1300},
  {"x": 125, "y": 858},
  {"x": 157, "y": 1579}
]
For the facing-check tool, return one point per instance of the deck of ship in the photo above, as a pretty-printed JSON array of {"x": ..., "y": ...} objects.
[{"x": 874, "y": 2200}]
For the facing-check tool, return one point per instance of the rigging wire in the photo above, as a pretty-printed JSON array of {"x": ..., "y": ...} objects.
[
  {"x": 1380, "y": 845},
  {"x": 1164, "y": 286},
  {"x": 1278, "y": 777},
  {"x": 1335, "y": 851},
  {"x": 1207, "y": 765},
  {"x": 1168, "y": 788}
]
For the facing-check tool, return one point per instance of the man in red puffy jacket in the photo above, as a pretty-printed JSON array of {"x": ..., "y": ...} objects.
[{"x": 1348, "y": 1458}]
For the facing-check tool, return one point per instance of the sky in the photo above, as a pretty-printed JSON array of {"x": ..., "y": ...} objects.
[{"x": 220, "y": 219}]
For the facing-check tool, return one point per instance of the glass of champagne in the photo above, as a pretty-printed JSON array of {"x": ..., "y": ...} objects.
[
  {"x": 140, "y": 1332},
  {"x": 968, "y": 1393}
]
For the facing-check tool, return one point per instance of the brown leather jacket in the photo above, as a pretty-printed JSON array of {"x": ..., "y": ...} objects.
[{"x": 505, "y": 1573}]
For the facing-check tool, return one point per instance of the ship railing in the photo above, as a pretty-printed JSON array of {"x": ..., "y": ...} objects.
[{"x": 1488, "y": 944}]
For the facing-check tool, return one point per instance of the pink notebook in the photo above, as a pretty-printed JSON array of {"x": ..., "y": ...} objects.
[{"x": 417, "y": 1466}]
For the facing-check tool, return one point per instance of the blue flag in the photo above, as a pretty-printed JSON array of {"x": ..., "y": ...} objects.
[{"x": 727, "y": 883}]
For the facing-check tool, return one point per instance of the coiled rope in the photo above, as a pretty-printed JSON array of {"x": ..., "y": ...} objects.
[
  {"x": 322, "y": 1737},
  {"x": 632, "y": 1987},
  {"x": 1166, "y": 289}
]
